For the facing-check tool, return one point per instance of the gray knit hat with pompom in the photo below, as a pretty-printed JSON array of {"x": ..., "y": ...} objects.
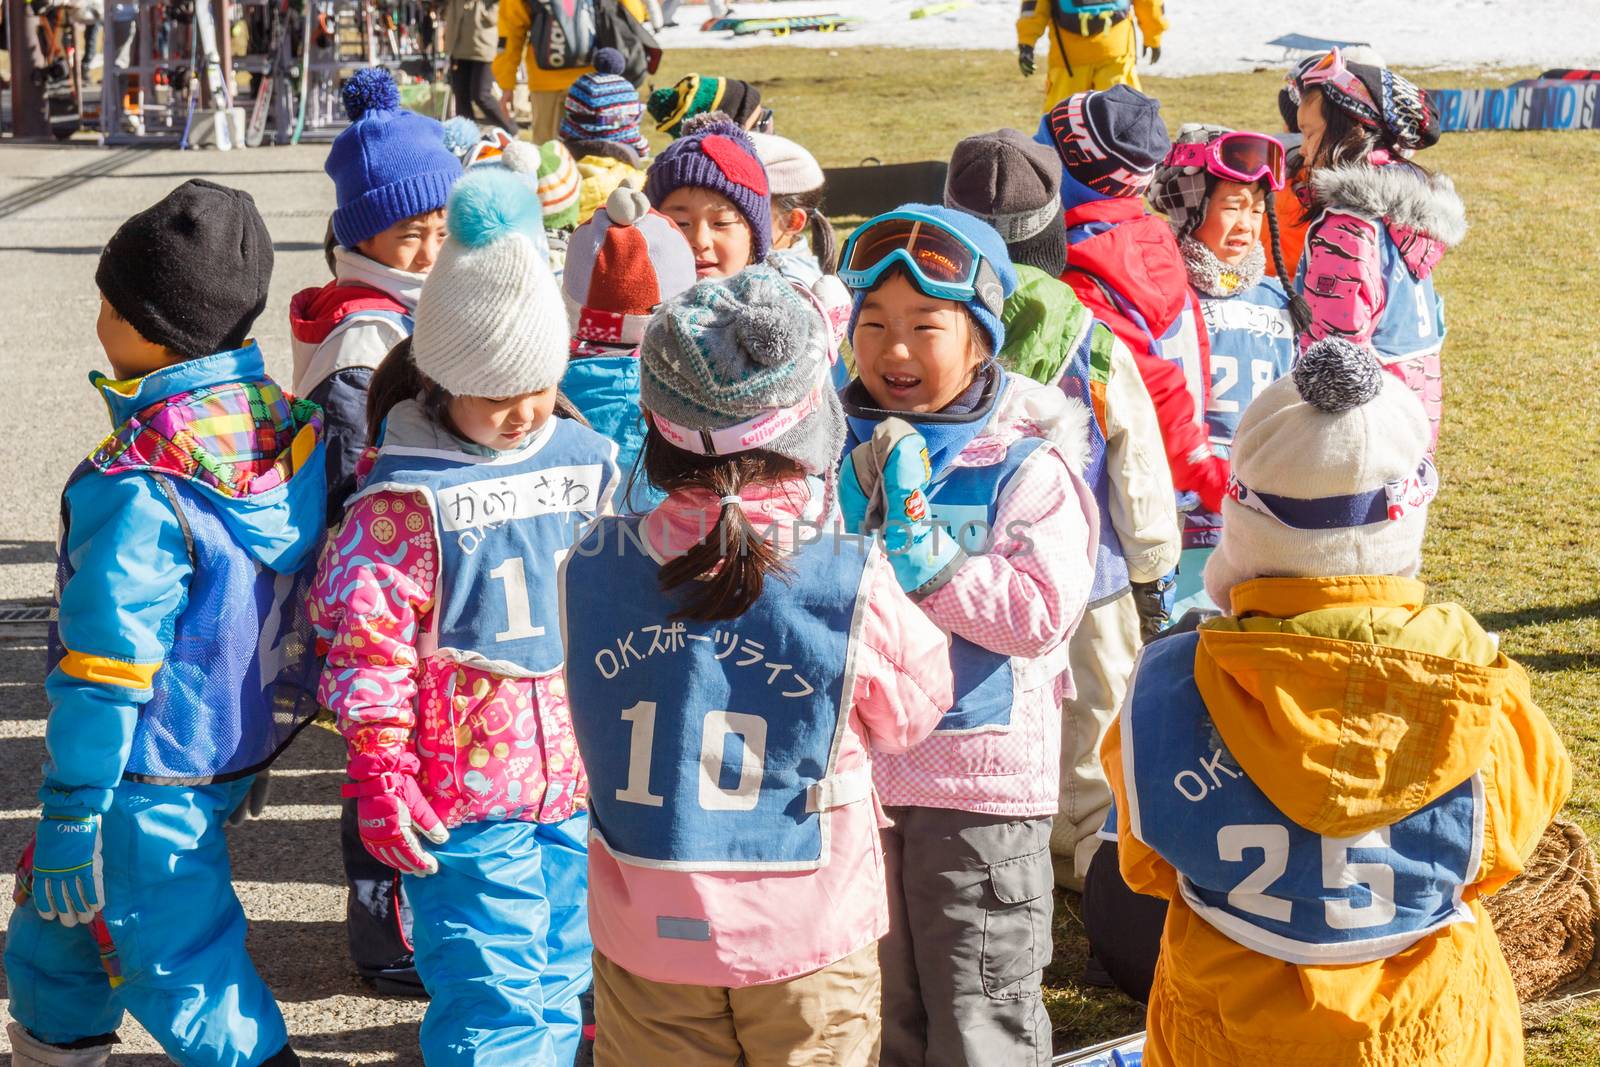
[{"x": 729, "y": 351}]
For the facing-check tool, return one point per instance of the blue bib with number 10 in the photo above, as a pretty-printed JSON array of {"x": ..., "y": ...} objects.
[
  {"x": 710, "y": 745},
  {"x": 1255, "y": 875}
]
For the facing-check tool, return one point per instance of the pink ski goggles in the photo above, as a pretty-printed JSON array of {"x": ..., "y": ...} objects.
[
  {"x": 1331, "y": 75},
  {"x": 1237, "y": 156}
]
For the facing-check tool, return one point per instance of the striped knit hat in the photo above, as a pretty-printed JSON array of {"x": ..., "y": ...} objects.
[
  {"x": 604, "y": 108},
  {"x": 559, "y": 183},
  {"x": 698, "y": 94}
]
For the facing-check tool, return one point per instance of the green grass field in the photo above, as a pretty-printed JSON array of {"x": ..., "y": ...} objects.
[{"x": 1522, "y": 365}]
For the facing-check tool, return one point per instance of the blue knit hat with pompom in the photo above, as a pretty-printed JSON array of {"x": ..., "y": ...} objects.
[{"x": 388, "y": 164}]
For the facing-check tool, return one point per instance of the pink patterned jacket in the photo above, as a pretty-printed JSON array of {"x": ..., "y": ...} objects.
[
  {"x": 481, "y": 746},
  {"x": 1369, "y": 206},
  {"x": 1023, "y": 598}
]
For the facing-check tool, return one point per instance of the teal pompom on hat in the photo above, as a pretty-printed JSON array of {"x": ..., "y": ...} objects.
[{"x": 388, "y": 164}]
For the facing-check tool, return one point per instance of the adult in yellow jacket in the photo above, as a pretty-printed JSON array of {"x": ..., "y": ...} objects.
[
  {"x": 1091, "y": 42},
  {"x": 546, "y": 88},
  {"x": 1326, "y": 782}
]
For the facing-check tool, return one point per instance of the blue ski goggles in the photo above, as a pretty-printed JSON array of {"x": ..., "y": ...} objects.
[{"x": 942, "y": 262}]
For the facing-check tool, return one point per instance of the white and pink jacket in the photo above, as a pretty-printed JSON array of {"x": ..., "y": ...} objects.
[
  {"x": 791, "y": 923},
  {"x": 1022, "y": 597}
]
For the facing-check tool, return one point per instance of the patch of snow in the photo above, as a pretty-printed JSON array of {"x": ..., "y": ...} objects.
[{"x": 1208, "y": 36}]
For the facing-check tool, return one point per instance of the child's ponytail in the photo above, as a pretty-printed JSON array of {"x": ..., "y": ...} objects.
[
  {"x": 1299, "y": 310},
  {"x": 824, "y": 245},
  {"x": 728, "y": 567}
]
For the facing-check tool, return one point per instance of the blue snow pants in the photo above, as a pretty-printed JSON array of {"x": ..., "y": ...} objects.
[
  {"x": 179, "y": 934},
  {"x": 501, "y": 938}
]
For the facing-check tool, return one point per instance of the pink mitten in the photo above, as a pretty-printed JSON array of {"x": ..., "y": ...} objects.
[{"x": 390, "y": 810}]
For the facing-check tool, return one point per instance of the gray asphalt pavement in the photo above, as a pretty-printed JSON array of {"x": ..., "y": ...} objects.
[{"x": 58, "y": 205}]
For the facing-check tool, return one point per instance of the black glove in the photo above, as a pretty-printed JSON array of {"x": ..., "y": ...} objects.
[
  {"x": 1152, "y": 53},
  {"x": 1025, "y": 59},
  {"x": 253, "y": 802},
  {"x": 1150, "y": 599}
]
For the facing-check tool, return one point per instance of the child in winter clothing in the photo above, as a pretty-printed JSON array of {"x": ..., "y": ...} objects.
[
  {"x": 701, "y": 94},
  {"x": 1004, "y": 565},
  {"x": 600, "y": 127},
  {"x": 437, "y": 601},
  {"x": 392, "y": 173},
  {"x": 1326, "y": 781},
  {"x": 559, "y": 187},
  {"x": 625, "y": 262},
  {"x": 1217, "y": 219},
  {"x": 737, "y": 890},
  {"x": 1379, "y": 223},
  {"x": 547, "y": 89},
  {"x": 710, "y": 181},
  {"x": 1092, "y": 44},
  {"x": 166, "y": 666},
  {"x": 796, "y": 184},
  {"x": 1124, "y": 265},
  {"x": 1013, "y": 183}
]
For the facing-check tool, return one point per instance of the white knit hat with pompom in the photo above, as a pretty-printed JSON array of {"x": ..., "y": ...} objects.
[
  {"x": 1331, "y": 476},
  {"x": 490, "y": 320}
]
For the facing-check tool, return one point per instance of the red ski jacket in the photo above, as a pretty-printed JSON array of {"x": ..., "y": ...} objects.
[{"x": 1124, "y": 264}]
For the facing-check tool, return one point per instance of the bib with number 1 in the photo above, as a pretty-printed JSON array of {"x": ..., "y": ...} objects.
[
  {"x": 1258, "y": 877},
  {"x": 502, "y": 525}
]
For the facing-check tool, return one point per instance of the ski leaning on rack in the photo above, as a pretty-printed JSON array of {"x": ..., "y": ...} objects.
[
  {"x": 216, "y": 87},
  {"x": 272, "y": 90},
  {"x": 308, "y": 19}
]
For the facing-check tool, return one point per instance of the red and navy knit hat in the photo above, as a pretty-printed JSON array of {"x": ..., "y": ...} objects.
[
  {"x": 714, "y": 153},
  {"x": 1110, "y": 140},
  {"x": 602, "y": 109}
]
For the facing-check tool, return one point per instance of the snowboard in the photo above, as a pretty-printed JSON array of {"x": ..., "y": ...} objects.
[
  {"x": 61, "y": 73},
  {"x": 780, "y": 27},
  {"x": 1568, "y": 74}
]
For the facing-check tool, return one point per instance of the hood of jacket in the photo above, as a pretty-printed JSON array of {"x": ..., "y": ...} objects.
[
  {"x": 360, "y": 284},
  {"x": 1118, "y": 242},
  {"x": 1349, "y": 701},
  {"x": 1422, "y": 212},
  {"x": 222, "y": 426},
  {"x": 1044, "y": 321}
]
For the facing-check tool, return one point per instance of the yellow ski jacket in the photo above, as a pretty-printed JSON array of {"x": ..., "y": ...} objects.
[{"x": 1098, "y": 61}]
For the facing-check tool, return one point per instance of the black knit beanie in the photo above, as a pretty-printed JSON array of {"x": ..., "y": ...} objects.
[
  {"x": 1014, "y": 184},
  {"x": 190, "y": 273}
]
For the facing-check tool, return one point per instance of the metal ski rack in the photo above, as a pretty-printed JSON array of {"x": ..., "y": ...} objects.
[{"x": 151, "y": 73}]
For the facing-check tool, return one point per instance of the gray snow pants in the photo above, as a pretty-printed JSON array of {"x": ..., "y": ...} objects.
[{"x": 970, "y": 898}]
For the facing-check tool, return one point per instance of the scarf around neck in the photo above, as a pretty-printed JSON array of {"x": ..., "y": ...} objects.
[
  {"x": 1212, "y": 277},
  {"x": 947, "y": 431}
]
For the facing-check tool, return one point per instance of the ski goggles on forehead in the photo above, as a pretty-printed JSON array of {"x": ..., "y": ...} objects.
[
  {"x": 1237, "y": 156},
  {"x": 1393, "y": 502},
  {"x": 942, "y": 262},
  {"x": 1331, "y": 75}
]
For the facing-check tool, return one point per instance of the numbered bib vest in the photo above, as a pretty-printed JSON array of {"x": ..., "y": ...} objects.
[
  {"x": 710, "y": 746},
  {"x": 502, "y": 524},
  {"x": 1085, "y": 377},
  {"x": 1265, "y": 882},
  {"x": 1411, "y": 325},
  {"x": 964, "y": 500},
  {"x": 240, "y": 678},
  {"x": 1252, "y": 346}
]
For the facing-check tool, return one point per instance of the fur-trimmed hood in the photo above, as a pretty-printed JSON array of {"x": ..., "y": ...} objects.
[{"x": 1403, "y": 196}]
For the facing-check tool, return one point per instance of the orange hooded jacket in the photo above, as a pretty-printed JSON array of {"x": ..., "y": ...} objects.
[{"x": 1340, "y": 756}]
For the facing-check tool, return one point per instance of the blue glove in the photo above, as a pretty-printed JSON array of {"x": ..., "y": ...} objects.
[
  {"x": 923, "y": 554},
  {"x": 67, "y": 883}
]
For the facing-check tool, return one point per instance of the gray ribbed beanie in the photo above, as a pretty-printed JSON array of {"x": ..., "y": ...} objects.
[{"x": 729, "y": 350}]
